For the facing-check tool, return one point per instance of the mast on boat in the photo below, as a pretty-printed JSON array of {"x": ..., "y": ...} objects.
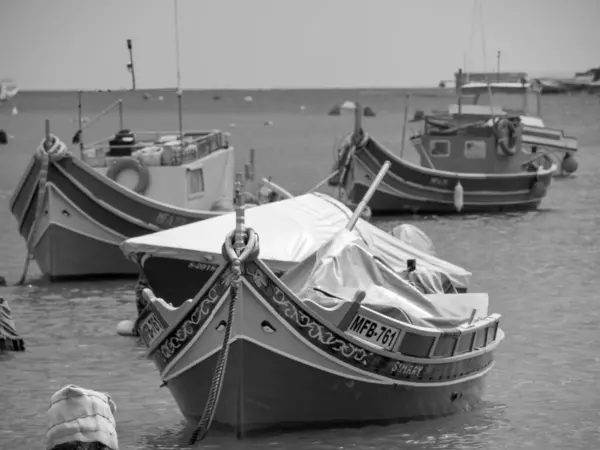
[
  {"x": 179, "y": 91},
  {"x": 130, "y": 66}
]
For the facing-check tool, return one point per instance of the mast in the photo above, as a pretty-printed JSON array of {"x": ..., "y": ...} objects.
[
  {"x": 179, "y": 92},
  {"x": 498, "y": 66},
  {"x": 130, "y": 66}
]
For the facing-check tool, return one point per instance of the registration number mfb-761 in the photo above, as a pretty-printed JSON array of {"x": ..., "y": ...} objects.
[{"x": 374, "y": 331}]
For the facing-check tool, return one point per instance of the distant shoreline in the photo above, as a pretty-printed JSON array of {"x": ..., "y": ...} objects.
[{"x": 173, "y": 90}]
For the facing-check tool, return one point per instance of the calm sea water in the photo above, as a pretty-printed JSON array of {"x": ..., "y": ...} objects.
[{"x": 540, "y": 269}]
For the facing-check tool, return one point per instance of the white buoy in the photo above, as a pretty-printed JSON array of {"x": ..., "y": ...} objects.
[
  {"x": 160, "y": 98},
  {"x": 125, "y": 328},
  {"x": 458, "y": 197},
  {"x": 269, "y": 123},
  {"x": 302, "y": 107},
  {"x": 248, "y": 98},
  {"x": 15, "y": 111},
  {"x": 232, "y": 125}
]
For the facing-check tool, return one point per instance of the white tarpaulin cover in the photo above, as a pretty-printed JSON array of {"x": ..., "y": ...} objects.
[
  {"x": 345, "y": 265},
  {"x": 289, "y": 231}
]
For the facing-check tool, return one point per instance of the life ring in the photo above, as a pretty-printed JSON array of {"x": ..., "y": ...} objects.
[
  {"x": 506, "y": 136},
  {"x": 131, "y": 164}
]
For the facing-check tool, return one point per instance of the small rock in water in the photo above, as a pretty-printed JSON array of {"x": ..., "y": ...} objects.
[
  {"x": 3, "y": 137},
  {"x": 2, "y": 281}
]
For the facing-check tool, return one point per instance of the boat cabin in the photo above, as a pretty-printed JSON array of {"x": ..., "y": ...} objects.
[
  {"x": 512, "y": 92},
  {"x": 192, "y": 171},
  {"x": 470, "y": 148}
]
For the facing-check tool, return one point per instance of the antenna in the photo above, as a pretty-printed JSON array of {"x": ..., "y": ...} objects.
[
  {"x": 179, "y": 92},
  {"x": 130, "y": 66}
]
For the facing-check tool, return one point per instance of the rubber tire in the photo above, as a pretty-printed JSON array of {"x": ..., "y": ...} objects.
[{"x": 131, "y": 164}]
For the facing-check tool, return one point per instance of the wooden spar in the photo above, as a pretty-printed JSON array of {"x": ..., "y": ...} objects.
[
  {"x": 405, "y": 125},
  {"x": 367, "y": 197}
]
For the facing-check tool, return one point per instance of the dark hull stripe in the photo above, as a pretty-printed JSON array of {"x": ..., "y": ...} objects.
[
  {"x": 384, "y": 203},
  {"x": 100, "y": 187},
  {"x": 489, "y": 183},
  {"x": 278, "y": 392},
  {"x": 23, "y": 195}
]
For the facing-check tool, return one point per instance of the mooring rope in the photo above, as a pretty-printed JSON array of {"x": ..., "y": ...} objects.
[
  {"x": 50, "y": 149},
  {"x": 235, "y": 252}
]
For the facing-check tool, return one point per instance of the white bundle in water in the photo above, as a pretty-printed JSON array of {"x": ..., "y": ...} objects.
[
  {"x": 79, "y": 415},
  {"x": 414, "y": 237}
]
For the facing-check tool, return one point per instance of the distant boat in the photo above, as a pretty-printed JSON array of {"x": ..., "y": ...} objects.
[
  {"x": 74, "y": 213},
  {"x": 470, "y": 163}
]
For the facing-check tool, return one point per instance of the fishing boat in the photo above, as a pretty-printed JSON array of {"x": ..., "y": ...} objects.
[
  {"x": 9, "y": 338},
  {"x": 74, "y": 212},
  {"x": 514, "y": 94},
  {"x": 177, "y": 261},
  {"x": 340, "y": 339},
  {"x": 470, "y": 162}
]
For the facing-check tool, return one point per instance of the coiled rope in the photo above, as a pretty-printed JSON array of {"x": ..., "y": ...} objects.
[
  {"x": 50, "y": 149},
  {"x": 235, "y": 252}
]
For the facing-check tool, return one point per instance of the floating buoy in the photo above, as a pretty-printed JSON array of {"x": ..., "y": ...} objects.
[
  {"x": 458, "y": 197},
  {"x": 232, "y": 125},
  {"x": 336, "y": 110},
  {"x": 248, "y": 98},
  {"x": 147, "y": 96},
  {"x": 216, "y": 97},
  {"x": 269, "y": 123},
  {"x": 569, "y": 164},
  {"x": 125, "y": 328},
  {"x": 302, "y": 107},
  {"x": 15, "y": 111},
  {"x": 368, "y": 112},
  {"x": 160, "y": 98},
  {"x": 538, "y": 189}
]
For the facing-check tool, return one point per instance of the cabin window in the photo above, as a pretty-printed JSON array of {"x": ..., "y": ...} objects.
[
  {"x": 475, "y": 150},
  {"x": 439, "y": 149},
  {"x": 195, "y": 179}
]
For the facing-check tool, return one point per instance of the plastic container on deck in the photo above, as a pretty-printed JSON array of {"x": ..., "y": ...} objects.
[
  {"x": 172, "y": 154},
  {"x": 150, "y": 156}
]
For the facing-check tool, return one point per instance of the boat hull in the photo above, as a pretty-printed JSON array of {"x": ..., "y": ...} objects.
[
  {"x": 260, "y": 385},
  {"x": 408, "y": 188},
  {"x": 85, "y": 218},
  {"x": 287, "y": 369}
]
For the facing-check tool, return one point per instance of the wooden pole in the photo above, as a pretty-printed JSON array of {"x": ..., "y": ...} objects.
[
  {"x": 405, "y": 125},
  {"x": 365, "y": 200}
]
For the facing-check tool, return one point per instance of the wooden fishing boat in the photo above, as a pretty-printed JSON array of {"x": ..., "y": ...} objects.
[
  {"x": 9, "y": 338},
  {"x": 472, "y": 165},
  {"x": 515, "y": 94},
  {"x": 75, "y": 212},
  {"x": 338, "y": 340},
  {"x": 177, "y": 261}
]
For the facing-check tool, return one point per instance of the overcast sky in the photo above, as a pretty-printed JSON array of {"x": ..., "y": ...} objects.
[{"x": 80, "y": 44}]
